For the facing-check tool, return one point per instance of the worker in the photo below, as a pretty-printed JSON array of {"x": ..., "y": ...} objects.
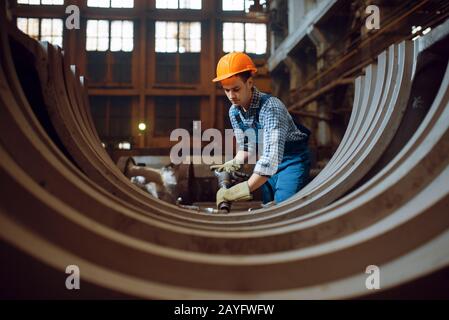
[{"x": 283, "y": 167}]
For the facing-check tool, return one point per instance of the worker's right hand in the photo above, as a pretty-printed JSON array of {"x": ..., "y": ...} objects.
[
  {"x": 239, "y": 192},
  {"x": 229, "y": 166}
]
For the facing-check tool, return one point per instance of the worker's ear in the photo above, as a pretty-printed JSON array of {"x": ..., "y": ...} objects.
[{"x": 250, "y": 82}]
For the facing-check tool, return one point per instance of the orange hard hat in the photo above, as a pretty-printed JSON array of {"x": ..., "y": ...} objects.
[{"x": 232, "y": 64}]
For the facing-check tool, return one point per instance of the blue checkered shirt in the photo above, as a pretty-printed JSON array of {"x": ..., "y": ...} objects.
[{"x": 277, "y": 128}]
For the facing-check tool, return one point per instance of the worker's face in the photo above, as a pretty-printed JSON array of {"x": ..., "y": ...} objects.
[{"x": 237, "y": 91}]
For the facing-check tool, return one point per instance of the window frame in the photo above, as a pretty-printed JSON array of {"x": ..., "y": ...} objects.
[
  {"x": 245, "y": 8},
  {"x": 178, "y": 36},
  {"x": 39, "y": 31},
  {"x": 110, "y": 5},
  {"x": 244, "y": 23},
  {"x": 110, "y": 21},
  {"x": 40, "y": 3},
  {"x": 110, "y": 59},
  {"x": 179, "y": 6}
]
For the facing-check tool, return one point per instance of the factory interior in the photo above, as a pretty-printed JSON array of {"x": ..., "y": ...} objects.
[{"x": 112, "y": 113}]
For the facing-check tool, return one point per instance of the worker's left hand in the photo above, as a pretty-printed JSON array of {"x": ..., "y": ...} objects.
[{"x": 239, "y": 192}]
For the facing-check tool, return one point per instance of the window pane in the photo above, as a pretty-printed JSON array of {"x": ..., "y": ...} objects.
[
  {"x": 22, "y": 1},
  {"x": 128, "y": 45},
  {"x": 167, "y": 4},
  {"x": 190, "y": 4},
  {"x": 188, "y": 32},
  {"x": 57, "y": 27},
  {"x": 51, "y": 2},
  {"x": 120, "y": 117},
  {"x": 29, "y": 26},
  {"x": 116, "y": 29},
  {"x": 98, "y": 3},
  {"x": 46, "y": 27},
  {"x": 160, "y": 29},
  {"x": 91, "y": 44},
  {"x": 189, "y": 111},
  {"x": 96, "y": 66},
  {"x": 233, "y": 37},
  {"x": 128, "y": 29},
  {"x": 121, "y": 30},
  {"x": 122, "y": 4},
  {"x": 232, "y": 31},
  {"x": 103, "y": 44},
  {"x": 22, "y": 24},
  {"x": 195, "y": 45},
  {"x": 233, "y": 5},
  {"x": 34, "y": 2},
  {"x": 228, "y": 45},
  {"x": 116, "y": 44},
  {"x": 189, "y": 68},
  {"x": 57, "y": 41},
  {"x": 166, "y": 36},
  {"x": 122, "y": 67},
  {"x": 165, "y": 115},
  {"x": 103, "y": 28},
  {"x": 165, "y": 70},
  {"x": 92, "y": 26},
  {"x": 161, "y": 45},
  {"x": 172, "y": 45},
  {"x": 97, "y": 35},
  {"x": 256, "y": 38},
  {"x": 46, "y": 38}
]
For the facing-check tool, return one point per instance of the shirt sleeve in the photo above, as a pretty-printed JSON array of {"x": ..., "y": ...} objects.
[{"x": 274, "y": 118}]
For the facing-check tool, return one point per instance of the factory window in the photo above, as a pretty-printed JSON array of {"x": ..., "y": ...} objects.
[
  {"x": 178, "y": 47},
  {"x": 178, "y": 4},
  {"x": 121, "y": 39},
  {"x": 111, "y": 68},
  {"x": 111, "y": 3},
  {"x": 42, "y": 29},
  {"x": 240, "y": 5},
  {"x": 112, "y": 118},
  {"x": 122, "y": 36},
  {"x": 173, "y": 113},
  {"x": 109, "y": 46},
  {"x": 97, "y": 33},
  {"x": 178, "y": 36},
  {"x": 248, "y": 37},
  {"x": 38, "y": 2}
]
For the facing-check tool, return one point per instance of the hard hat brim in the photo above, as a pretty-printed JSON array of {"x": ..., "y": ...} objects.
[{"x": 228, "y": 75}]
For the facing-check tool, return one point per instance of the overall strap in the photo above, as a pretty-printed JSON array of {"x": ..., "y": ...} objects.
[
  {"x": 237, "y": 118},
  {"x": 263, "y": 99}
]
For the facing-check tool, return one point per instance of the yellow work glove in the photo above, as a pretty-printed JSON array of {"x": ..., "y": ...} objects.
[
  {"x": 229, "y": 166},
  {"x": 239, "y": 192}
]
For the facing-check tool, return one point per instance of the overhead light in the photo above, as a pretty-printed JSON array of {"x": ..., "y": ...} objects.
[
  {"x": 418, "y": 36},
  {"x": 427, "y": 30},
  {"x": 142, "y": 126},
  {"x": 125, "y": 145},
  {"x": 103, "y": 145}
]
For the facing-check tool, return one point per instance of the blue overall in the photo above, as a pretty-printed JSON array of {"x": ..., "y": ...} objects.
[{"x": 293, "y": 172}]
